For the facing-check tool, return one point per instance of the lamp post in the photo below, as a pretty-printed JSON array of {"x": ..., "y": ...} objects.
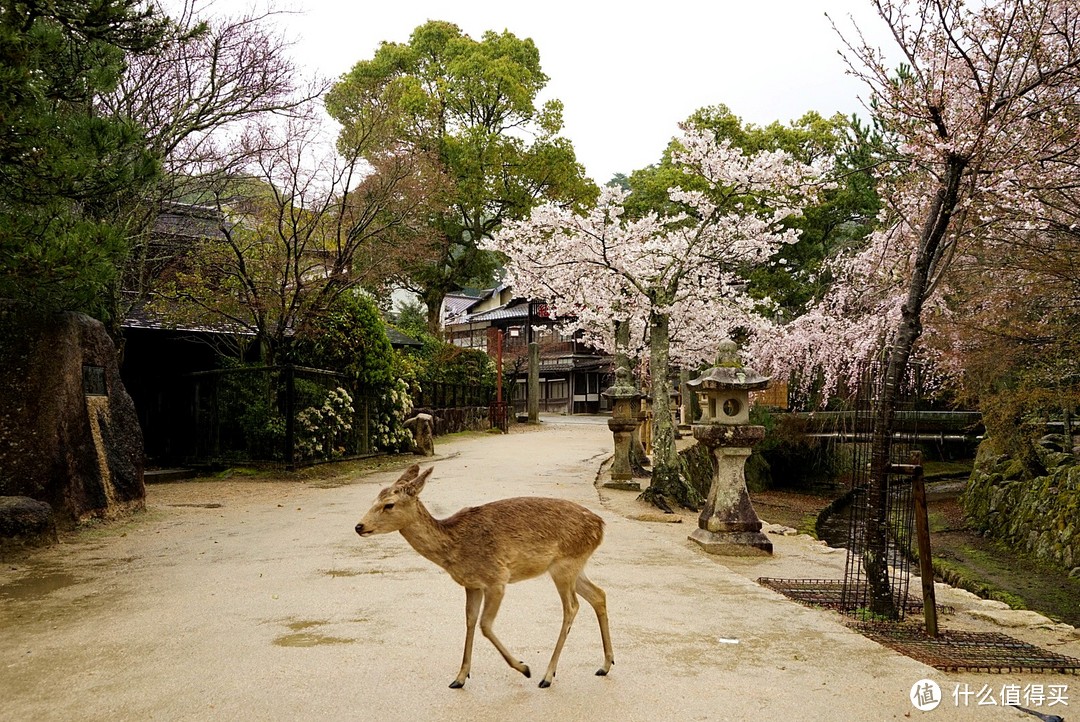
[
  {"x": 728, "y": 524},
  {"x": 624, "y": 419}
]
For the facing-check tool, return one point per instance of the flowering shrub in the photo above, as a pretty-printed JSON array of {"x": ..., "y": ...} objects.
[
  {"x": 350, "y": 338},
  {"x": 321, "y": 432},
  {"x": 388, "y": 430}
]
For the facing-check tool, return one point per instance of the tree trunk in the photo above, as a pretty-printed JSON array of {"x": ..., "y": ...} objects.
[
  {"x": 666, "y": 484},
  {"x": 433, "y": 300},
  {"x": 875, "y": 555},
  {"x": 533, "y": 397}
]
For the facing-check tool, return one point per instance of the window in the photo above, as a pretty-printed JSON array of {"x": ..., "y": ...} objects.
[{"x": 558, "y": 389}]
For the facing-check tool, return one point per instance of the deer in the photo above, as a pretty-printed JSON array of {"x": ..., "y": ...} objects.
[{"x": 484, "y": 548}]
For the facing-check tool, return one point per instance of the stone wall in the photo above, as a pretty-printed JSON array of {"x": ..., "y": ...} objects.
[
  {"x": 461, "y": 418},
  {"x": 81, "y": 453},
  {"x": 1039, "y": 515}
]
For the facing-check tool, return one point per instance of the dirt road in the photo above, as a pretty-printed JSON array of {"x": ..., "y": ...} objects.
[{"x": 256, "y": 601}]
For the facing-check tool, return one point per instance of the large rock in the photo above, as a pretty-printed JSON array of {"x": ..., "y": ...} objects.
[
  {"x": 422, "y": 427},
  {"x": 76, "y": 447},
  {"x": 26, "y": 521}
]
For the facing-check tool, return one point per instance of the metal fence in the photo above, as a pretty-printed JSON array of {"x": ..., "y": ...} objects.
[
  {"x": 445, "y": 395},
  {"x": 288, "y": 414},
  {"x": 881, "y": 513}
]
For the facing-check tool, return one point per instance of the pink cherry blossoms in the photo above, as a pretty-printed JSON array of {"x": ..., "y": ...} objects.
[
  {"x": 984, "y": 114},
  {"x": 601, "y": 266},
  {"x": 676, "y": 278}
]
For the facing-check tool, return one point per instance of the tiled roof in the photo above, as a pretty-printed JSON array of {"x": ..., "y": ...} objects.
[
  {"x": 500, "y": 313},
  {"x": 457, "y": 304},
  {"x": 143, "y": 318},
  {"x": 188, "y": 221}
]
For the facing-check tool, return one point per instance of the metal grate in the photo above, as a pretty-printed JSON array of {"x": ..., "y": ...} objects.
[
  {"x": 949, "y": 651},
  {"x": 967, "y": 651},
  {"x": 826, "y": 593}
]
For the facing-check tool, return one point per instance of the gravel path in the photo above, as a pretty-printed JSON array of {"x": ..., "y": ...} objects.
[{"x": 254, "y": 600}]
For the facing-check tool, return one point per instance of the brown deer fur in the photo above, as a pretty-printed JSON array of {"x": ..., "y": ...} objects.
[{"x": 486, "y": 547}]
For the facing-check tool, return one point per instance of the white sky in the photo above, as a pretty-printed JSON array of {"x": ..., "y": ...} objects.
[{"x": 626, "y": 73}]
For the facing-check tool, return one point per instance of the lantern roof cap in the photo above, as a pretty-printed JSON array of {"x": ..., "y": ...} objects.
[
  {"x": 729, "y": 372},
  {"x": 624, "y": 387}
]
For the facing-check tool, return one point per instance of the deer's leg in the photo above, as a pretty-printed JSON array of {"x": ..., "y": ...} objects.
[
  {"x": 595, "y": 596},
  {"x": 473, "y": 598},
  {"x": 493, "y": 596},
  {"x": 565, "y": 574}
]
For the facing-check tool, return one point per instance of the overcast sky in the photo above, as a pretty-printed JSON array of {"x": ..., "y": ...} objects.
[{"x": 627, "y": 73}]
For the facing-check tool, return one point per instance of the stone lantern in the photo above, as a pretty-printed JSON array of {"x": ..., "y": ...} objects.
[
  {"x": 625, "y": 401},
  {"x": 728, "y": 524}
]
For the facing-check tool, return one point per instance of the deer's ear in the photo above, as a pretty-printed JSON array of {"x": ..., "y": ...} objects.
[
  {"x": 409, "y": 474},
  {"x": 413, "y": 487}
]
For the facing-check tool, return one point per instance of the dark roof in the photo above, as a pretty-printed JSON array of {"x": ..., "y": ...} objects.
[
  {"x": 398, "y": 339},
  {"x": 457, "y": 304},
  {"x": 500, "y": 313},
  {"x": 140, "y": 316},
  {"x": 182, "y": 220}
]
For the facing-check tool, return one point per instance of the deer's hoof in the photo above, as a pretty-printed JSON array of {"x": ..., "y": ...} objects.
[
  {"x": 456, "y": 684},
  {"x": 601, "y": 673},
  {"x": 545, "y": 683},
  {"x": 526, "y": 671}
]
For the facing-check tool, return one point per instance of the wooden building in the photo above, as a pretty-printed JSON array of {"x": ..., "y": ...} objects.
[{"x": 572, "y": 374}]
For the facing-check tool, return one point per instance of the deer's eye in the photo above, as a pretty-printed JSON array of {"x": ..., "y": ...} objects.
[{"x": 387, "y": 507}]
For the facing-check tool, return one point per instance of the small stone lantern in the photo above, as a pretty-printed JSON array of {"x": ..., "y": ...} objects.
[
  {"x": 728, "y": 524},
  {"x": 625, "y": 400}
]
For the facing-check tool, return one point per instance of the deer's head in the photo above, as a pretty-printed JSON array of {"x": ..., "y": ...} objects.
[{"x": 395, "y": 506}]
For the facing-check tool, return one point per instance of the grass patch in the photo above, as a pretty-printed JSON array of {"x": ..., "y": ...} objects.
[
  {"x": 946, "y": 469},
  {"x": 238, "y": 471},
  {"x": 808, "y": 525},
  {"x": 939, "y": 522},
  {"x": 959, "y": 575}
]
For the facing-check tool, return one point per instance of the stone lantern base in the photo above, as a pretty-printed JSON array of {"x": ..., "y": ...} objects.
[
  {"x": 728, "y": 524},
  {"x": 733, "y": 543},
  {"x": 624, "y": 396},
  {"x": 622, "y": 476}
]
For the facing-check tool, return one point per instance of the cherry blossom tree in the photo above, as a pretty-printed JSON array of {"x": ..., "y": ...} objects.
[
  {"x": 682, "y": 272},
  {"x": 985, "y": 108}
]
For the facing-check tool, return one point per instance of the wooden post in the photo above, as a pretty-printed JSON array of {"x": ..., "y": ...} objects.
[
  {"x": 499, "y": 367},
  {"x": 290, "y": 416},
  {"x": 922, "y": 533}
]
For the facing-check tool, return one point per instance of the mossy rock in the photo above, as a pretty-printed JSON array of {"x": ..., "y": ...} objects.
[
  {"x": 26, "y": 521},
  {"x": 1014, "y": 470}
]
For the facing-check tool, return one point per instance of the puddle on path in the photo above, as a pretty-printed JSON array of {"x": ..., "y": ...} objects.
[
  {"x": 309, "y": 639},
  {"x": 36, "y": 585},
  {"x": 301, "y": 637}
]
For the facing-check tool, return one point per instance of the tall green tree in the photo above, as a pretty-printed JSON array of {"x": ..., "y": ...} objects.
[
  {"x": 472, "y": 105},
  {"x": 64, "y": 167}
]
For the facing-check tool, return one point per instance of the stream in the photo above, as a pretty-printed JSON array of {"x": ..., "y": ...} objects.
[{"x": 988, "y": 567}]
